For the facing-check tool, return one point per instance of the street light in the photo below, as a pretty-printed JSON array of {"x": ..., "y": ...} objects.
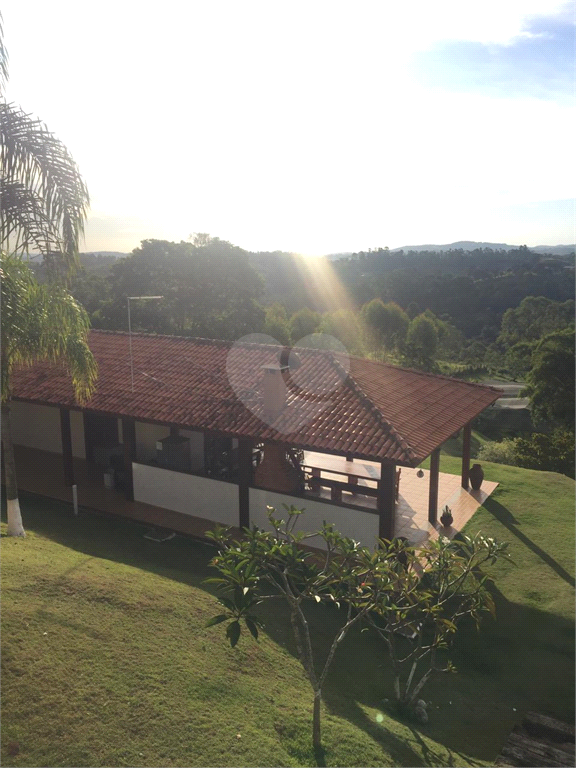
[{"x": 133, "y": 298}]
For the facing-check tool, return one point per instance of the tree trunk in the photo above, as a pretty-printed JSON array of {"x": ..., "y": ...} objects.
[
  {"x": 316, "y": 732},
  {"x": 15, "y": 527}
]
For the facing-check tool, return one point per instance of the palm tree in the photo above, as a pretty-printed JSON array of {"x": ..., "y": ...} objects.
[
  {"x": 44, "y": 201},
  {"x": 44, "y": 198},
  {"x": 39, "y": 322}
]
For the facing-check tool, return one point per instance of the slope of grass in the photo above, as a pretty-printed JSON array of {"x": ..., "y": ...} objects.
[{"x": 106, "y": 660}]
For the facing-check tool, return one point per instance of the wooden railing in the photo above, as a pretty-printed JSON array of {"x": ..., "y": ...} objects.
[{"x": 315, "y": 482}]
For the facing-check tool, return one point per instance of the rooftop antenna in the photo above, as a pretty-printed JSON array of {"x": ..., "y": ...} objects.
[{"x": 134, "y": 298}]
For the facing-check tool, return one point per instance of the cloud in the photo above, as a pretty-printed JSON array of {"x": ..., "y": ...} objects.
[{"x": 537, "y": 62}]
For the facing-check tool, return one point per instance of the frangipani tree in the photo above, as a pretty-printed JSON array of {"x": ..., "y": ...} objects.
[
  {"x": 39, "y": 322},
  {"x": 396, "y": 590},
  {"x": 443, "y": 584}
]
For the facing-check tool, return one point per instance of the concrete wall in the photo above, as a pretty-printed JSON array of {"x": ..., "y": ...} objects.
[
  {"x": 360, "y": 526},
  {"x": 77, "y": 430},
  {"x": 189, "y": 494},
  {"x": 36, "y": 426}
]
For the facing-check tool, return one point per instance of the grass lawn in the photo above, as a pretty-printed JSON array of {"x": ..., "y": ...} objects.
[{"x": 106, "y": 661}]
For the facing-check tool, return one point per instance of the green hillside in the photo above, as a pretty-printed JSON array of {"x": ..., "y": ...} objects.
[{"x": 106, "y": 661}]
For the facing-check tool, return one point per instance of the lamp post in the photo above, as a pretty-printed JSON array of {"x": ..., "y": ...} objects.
[{"x": 133, "y": 298}]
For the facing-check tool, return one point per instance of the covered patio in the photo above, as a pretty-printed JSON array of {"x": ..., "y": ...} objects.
[
  {"x": 42, "y": 473},
  {"x": 216, "y": 432}
]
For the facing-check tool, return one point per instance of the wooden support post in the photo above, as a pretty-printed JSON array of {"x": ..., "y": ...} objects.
[
  {"x": 466, "y": 434},
  {"x": 244, "y": 480},
  {"x": 385, "y": 501},
  {"x": 129, "y": 437},
  {"x": 66, "y": 434},
  {"x": 433, "y": 491},
  {"x": 314, "y": 482},
  {"x": 336, "y": 493},
  {"x": 88, "y": 448}
]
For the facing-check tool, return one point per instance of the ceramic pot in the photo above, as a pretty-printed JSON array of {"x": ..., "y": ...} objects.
[
  {"x": 446, "y": 519},
  {"x": 476, "y": 476}
]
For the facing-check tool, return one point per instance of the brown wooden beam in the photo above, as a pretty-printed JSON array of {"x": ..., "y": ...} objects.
[
  {"x": 433, "y": 490},
  {"x": 386, "y": 501},
  {"x": 129, "y": 438},
  {"x": 244, "y": 481},
  {"x": 466, "y": 435},
  {"x": 66, "y": 435}
]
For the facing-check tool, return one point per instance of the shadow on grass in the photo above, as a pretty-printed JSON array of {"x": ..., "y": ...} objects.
[
  {"x": 507, "y": 519},
  {"x": 525, "y": 656},
  {"x": 117, "y": 539}
]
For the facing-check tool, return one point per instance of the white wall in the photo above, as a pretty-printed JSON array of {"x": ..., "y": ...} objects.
[
  {"x": 189, "y": 494},
  {"x": 36, "y": 426},
  {"x": 360, "y": 526},
  {"x": 77, "y": 430}
]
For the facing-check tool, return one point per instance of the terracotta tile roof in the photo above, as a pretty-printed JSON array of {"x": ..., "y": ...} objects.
[{"x": 374, "y": 410}]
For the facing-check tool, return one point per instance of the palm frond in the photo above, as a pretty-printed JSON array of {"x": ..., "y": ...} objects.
[
  {"x": 30, "y": 155},
  {"x": 24, "y": 224},
  {"x": 3, "y": 60},
  {"x": 43, "y": 322}
]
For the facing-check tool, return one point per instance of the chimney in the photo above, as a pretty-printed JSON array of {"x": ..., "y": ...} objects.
[
  {"x": 274, "y": 389},
  {"x": 276, "y": 473}
]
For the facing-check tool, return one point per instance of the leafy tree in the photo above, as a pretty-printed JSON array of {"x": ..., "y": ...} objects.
[
  {"x": 209, "y": 289},
  {"x": 387, "y": 324},
  {"x": 536, "y": 316},
  {"x": 39, "y": 322},
  {"x": 420, "y": 618},
  {"x": 421, "y": 342},
  {"x": 550, "y": 383},
  {"x": 381, "y": 588},
  {"x": 473, "y": 353},
  {"x": 519, "y": 358},
  {"x": 545, "y": 452},
  {"x": 276, "y": 324},
  {"x": 267, "y": 565},
  {"x": 90, "y": 289},
  {"x": 344, "y": 326},
  {"x": 304, "y": 323},
  {"x": 548, "y": 453}
]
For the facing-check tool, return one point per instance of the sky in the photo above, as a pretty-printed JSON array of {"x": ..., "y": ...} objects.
[{"x": 314, "y": 127}]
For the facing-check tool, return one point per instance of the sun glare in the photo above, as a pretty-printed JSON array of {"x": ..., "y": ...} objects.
[{"x": 321, "y": 281}]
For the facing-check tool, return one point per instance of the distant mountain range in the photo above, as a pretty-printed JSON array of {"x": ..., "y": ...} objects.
[
  {"x": 471, "y": 245},
  {"x": 115, "y": 254}
]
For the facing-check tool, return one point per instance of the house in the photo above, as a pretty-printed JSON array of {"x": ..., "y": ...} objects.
[{"x": 218, "y": 431}]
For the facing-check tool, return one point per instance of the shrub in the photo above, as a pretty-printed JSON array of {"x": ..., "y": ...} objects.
[{"x": 505, "y": 452}]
